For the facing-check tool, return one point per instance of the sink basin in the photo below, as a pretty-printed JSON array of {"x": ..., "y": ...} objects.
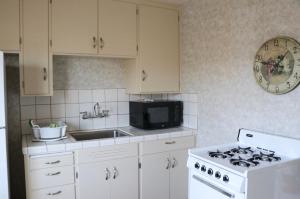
[{"x": 91, "y": 135}]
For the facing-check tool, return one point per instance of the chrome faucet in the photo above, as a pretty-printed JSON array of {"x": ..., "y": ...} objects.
[{"x": 97, "y": 113}]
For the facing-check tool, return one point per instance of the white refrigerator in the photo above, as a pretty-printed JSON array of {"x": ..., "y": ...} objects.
[{"x": 4, "y": 193}]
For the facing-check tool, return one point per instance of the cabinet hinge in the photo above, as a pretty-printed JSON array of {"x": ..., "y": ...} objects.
[
  {"x": 76, "y": 174},
  {"x": 140, "y": 165},
  {"x": 23, "y": 84},
  {"x": 20, "y": 40},
  {"x": 137, "y": 47},
  {"x": 137, "y": 11}
]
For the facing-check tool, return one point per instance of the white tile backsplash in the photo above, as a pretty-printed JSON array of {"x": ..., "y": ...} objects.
[
  {"x": 58, "y": 97},
  {"x": 42, "y": 100},
  {"x": 85, "y": 96},
  {"x": 58, "y": 111},
  {"x": 72, "y": 110},
  {"x": 72, "y": 96},
  {"x": 111, "y": 95},
  {"x": 43, "y": 112},
  {"x": 65, "y": 105},
  {"x": 98, "y": 95}
]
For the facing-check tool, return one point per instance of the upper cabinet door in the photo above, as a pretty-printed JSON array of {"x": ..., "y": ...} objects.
[
  {"x": 9, "y": 25},
  {"x": 117, "y": 29},
  {"x": 36, "y": 69},
  {"x": 159, "y": 49},
  {"x": 74, "y": 26}
]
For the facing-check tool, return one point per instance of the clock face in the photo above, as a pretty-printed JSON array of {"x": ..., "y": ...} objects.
[{"x": 277, "y": 65}]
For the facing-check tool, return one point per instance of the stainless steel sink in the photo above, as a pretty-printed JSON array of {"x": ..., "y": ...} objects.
[{"x": 102, "y": 134}]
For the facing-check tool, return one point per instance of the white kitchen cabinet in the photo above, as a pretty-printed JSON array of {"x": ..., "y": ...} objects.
[
  {"x": 163, "y": 172},
  {"x": 94, "y": 27},
  {"x": 108, "y": 172},
  {"x": 157, "y": 67},
  {"x": 10, "y": 25},
  {"x": 92, "y": 181},
  {"x": 155, "y": 176},
  {"x": 74, "y": 26},
  {"x": 35, "y": 59}
]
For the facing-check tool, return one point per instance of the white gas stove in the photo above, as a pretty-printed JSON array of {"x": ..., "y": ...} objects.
[{"x": 258, "y": 166}]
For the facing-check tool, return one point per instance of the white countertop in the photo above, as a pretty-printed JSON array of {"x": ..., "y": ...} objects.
[{"x": 70, "y": 144}]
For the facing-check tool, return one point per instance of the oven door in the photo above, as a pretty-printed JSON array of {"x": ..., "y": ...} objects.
[{"x": 202, "y": 188}]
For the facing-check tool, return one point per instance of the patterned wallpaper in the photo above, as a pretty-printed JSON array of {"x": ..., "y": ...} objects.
[{"x": 219, "y": 42}]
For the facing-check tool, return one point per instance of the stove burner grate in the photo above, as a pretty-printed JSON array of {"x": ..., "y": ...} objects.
[
  {"x": 219, "y": 154},
  {"x": 270, "y": 157},
  {"x": 241, "y": 150},
  {"x": 244, "y": 162}
]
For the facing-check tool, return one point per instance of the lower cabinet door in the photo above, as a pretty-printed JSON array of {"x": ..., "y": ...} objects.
[
  {"x": 124, "y": 181},
  {"x": 154, "y": 176},
  {"x": 179, "y": 175},
  {"x": 93, "y": 181},
  {"x": 62, "y": 192}
]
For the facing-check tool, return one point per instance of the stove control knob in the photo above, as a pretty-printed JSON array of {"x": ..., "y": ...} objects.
[
  {"x": 210, "y": 172},
  {"x": 203, "y": 168},
  {"x": 225, "y": 178},
  {"x": 197, "y": 165},
  {"x": 218, "y": 175}
]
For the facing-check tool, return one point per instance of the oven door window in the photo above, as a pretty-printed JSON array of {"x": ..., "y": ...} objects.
[
  {"x": 199, "y": 188},
  {"x": 158, "y": 115}
]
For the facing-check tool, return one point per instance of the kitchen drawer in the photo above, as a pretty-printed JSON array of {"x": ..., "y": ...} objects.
[
  {"x": 49, "y": 161},
  {"x": 171, "y": 144},
  {"x": 62, "y": 192},
  {"x": 52, "y": 177},
  {"x": 106, "y": 153}
]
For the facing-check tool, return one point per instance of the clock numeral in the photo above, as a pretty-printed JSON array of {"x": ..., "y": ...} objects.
[
  {"x": 277, "y": 90},
  {"x": 296, "y": 76},
  {"x": 266, "y": 47},
  {"x": 288, "y": 84},
  {"x": 276, "y": 42},
  {"x": 260, "y": 79},
  {"x": 295, "y": 50}
]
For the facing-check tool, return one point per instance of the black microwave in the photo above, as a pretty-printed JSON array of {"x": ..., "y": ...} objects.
[{"x": 155, "y": 114}]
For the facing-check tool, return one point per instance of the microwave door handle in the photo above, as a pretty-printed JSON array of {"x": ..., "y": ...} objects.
[{"x": 218, "y": 189}]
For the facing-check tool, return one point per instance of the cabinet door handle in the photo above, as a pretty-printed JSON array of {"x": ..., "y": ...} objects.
[
  {"x": 169, "y": 164},
  {"x": 94, "y": 42},
  {"x": 101, "y": 43},
  {"x": 54, "y": 194},
  {"x": 45, "y": 73},
  {"x": 116, "y": 173},
  {"x": 55, "y": 162},
  {"x": 173, "y": 142},
  {"x": 53, "y": 174},
  {"x": 144, "y": 75},
  {"x": 174, "y": 163},
  {"x": 107, "y": 174}
]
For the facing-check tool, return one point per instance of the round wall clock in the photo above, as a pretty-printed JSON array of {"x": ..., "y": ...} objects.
[{"x": 277, "y": 65}]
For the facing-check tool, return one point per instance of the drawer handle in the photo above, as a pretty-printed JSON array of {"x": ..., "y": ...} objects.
[
  {"x": 54, "y": 174},
  {"x": 173, "y": 142},
  {"x": 54, "y": 194},
  {"x": 55, "y": 162}
]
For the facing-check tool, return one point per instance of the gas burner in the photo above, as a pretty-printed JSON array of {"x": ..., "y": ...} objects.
[
  {"x": 241, "y": 150},
  {"x": 268, "y": 157},
  {"x": 219, "y": 154},
  {"x": 243, "y": 162}
]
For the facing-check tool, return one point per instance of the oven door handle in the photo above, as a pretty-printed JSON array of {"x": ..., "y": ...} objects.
[{"x": 222, "y": 191}]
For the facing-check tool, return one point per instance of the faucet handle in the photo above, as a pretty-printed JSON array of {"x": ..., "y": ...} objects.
[
  {"x": 105, "y": 112},
  {"x": 84, "y": 112}
]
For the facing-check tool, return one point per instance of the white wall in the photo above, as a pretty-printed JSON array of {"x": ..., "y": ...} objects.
[{"x": 219, "y": 42}]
